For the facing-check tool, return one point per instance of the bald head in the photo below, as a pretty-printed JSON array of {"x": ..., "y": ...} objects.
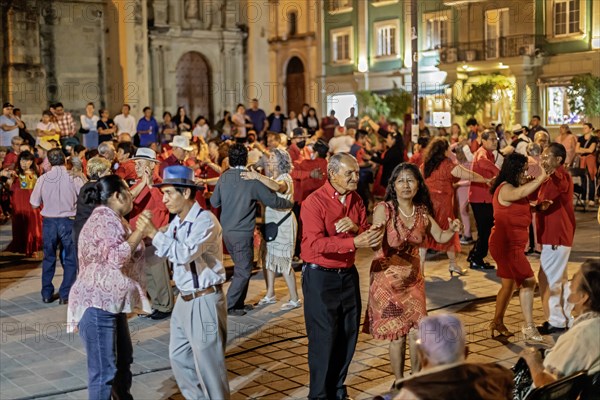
[{"x": 125, "y": 138}]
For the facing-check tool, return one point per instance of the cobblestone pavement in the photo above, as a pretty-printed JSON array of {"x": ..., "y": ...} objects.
[{"x": 266, "y": 352}]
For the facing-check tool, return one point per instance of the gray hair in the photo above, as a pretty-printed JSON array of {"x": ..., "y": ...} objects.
[
  {"x": 283, "y": 161},
  {"x": 105, "y": 147},
  {"x": 442, "y": 339},
  {"x": 534, "y": 149},
  {"x": 335, "y": 162},
  {"x": 56, "y": 157}
]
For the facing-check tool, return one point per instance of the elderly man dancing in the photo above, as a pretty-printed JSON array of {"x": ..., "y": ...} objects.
[{"x": 335, "y": 225}]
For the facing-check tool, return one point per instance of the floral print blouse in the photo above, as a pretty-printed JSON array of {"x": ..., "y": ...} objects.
[{"x": 111, "y": 277}]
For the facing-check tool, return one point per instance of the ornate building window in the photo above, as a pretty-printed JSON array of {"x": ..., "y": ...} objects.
[
  {"x": 342, "y": 45},
  {"x": 387, "y": 36},
  {"x": 566, "y": 17}
]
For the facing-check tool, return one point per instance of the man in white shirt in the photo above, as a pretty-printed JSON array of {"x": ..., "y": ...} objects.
[
  {"x": 342, "y": 141},
  {"x": 193, "y": 245},
  {"x": 125, "y": 122},
  {"x": 9, "y": 125}
]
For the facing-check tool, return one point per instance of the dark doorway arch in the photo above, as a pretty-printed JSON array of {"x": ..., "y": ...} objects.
[
  {"x": 193, "y": 80},
  {"x": 295, "y": 85}
]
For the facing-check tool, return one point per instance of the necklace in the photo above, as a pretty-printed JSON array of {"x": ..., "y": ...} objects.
[{"x": 407, "y": 216}]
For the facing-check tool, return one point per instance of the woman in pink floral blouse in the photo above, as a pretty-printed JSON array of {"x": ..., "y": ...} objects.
[{"x": 110, "y": 285}]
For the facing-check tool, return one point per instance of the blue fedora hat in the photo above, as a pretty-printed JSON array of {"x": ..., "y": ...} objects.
[{"x": 177, "y": 175}]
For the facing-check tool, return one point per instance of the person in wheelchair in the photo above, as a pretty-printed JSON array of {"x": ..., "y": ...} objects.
[{"x": 578, "y": 349}]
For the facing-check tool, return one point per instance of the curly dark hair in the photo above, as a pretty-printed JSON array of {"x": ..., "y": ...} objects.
[
  {"x": 238, "y": 155},
  {"x": 435, "y": 153},
  {"x": 26, "y": 155},
  {"x": 421, "y": 197},
  {"x": 512, "y": 168}
]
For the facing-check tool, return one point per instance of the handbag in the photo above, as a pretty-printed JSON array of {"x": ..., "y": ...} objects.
[
  {"x": 83, "y": 131},
  {"x": 271, "y": 229}
]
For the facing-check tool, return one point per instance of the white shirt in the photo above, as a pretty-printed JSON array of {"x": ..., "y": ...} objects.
[
  {"x": 126, "y": 124},
  {"x": 340, "y": 144},
  {"x": 201, "y": 131},
  {"x": 83, "y": 119},
  {"x": 6, "y": 136},
  {"x": 198, "y": 238}
]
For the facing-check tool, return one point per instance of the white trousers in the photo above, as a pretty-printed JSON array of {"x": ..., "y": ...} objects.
[{"x": 554, "y": 267}]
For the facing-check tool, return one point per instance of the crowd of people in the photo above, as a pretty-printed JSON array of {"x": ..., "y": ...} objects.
[{"x": 141, "y": 203}]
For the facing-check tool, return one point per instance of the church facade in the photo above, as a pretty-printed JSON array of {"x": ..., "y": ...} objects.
[{"x": 159, "y": 53}]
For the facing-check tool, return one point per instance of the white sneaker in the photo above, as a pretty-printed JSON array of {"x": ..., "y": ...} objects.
[
  {"x": 267, "y": 300},
  {"x": 290, "y": 305}
]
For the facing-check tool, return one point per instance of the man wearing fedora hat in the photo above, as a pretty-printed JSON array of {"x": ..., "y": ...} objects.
[
  {"x": 148, "y": 197},
  {"x": 181, "y": 147},
  {"x": 237, "y": 199},
  {"x": 193, "y": 245}
]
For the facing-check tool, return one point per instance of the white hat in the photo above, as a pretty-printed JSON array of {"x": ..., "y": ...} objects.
[
  {"x": 517, "y": 128},
  {"x": 144, "y": 153},
  {"x": 181, "y": 142}
]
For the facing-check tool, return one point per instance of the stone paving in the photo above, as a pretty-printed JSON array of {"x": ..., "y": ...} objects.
[{"x": 266, "y": 352}]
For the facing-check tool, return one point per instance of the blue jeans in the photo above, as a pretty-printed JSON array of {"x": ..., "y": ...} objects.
[
  {"x": 109, "y": 351},
  {"x": 55, "y": 231}
]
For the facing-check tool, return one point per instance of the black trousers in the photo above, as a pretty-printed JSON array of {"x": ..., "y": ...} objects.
[
  {"x": 484, "y": 219},
  {"x": 296, "y": 211},
  {"x": 240, "y": 246},
  {"x": 332, "y": 310}
]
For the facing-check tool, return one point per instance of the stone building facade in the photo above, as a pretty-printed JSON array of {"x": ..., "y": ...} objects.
[{"x": 162, "y": 53}]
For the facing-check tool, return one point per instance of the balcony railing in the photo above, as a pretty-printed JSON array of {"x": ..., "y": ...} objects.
[{"x": 491, "y": 49}]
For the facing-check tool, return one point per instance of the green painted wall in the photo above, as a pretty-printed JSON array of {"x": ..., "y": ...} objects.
[
  {"x": 385, "y": 13},
  {"x": 334, "y": 21}
]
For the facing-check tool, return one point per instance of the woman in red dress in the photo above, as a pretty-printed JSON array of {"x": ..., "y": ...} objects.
[
  {"x": 441, "y": 173},
  {"x": 26, "y": 221},
  {"x": 510, "y": 235},
  {"x": 397, "y": 288}
]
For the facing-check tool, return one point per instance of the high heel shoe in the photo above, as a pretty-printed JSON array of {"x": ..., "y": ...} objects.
[
  {"x": 500, "y": 328},
  {"x": 530, "y": 332},
  {"x": 455, "y": 268}
]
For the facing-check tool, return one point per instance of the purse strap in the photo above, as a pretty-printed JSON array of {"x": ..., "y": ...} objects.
[{"x": 282, "y": 220}]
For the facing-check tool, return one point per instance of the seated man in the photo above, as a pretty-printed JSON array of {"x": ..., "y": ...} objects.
[
  {"x": 577, "y": 349},
  {"x": 444, "y": 373}
]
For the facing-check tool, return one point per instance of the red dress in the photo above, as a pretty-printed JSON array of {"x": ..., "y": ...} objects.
[
  {"x": 397, "y": 288},
  {"x": 378, "y": 188},
  {"x": 26, "y": 221},
  {"x": 442, "y": 196},
  {"x": 509, "y": 238}
]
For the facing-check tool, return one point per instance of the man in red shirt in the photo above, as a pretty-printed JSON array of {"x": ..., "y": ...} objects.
[
  {"x": 126, "y": 169},
  {"x": 335, "y": 225},
  {"x": 481, "y": 199},
  {"x": 181, "y": 147},
  {"x": 299, "y": 137},
  {"x": 147, "y": 197},
  {"x": 556, "y": 229}
]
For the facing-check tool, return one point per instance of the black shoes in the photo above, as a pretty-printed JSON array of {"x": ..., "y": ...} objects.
[
  {"x": 238, "y": 312},
  {"x": 50, "y": 299},
  {"x": 158, "y": 315},
  {"x": 63, "y": 301},
  {"x": 481, "y": 265},
  {"x": 547, "y": 329}
]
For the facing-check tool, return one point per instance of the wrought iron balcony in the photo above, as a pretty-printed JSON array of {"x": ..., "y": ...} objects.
[{"x": 492, "y": 49}]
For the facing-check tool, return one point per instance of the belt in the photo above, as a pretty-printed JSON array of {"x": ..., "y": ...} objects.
[
  {"x": 320, "y": 268},
  {"x": 200, "y": 293}
]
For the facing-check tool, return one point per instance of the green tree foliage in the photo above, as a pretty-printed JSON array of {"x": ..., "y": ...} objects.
[
  {"x": 393, "y": 105},
  {"x": 584, "y": 95},
  {"x": 475, "y": 99}
]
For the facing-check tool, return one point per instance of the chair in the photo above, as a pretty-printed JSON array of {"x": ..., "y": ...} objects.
[
  {"x": 567, "y": 388},
  {"x": 578, "y": 175},
  {"x": 591, "y": 390}
]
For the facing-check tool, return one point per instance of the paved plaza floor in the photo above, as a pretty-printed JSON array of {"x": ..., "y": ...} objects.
[{"x": 267, "y": 348}]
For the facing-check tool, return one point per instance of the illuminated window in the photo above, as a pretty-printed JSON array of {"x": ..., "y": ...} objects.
[
  {"x": 566, "y": 17},
  {"x": 341, "y": 45},
  {"x": 559, "y": 111}
]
